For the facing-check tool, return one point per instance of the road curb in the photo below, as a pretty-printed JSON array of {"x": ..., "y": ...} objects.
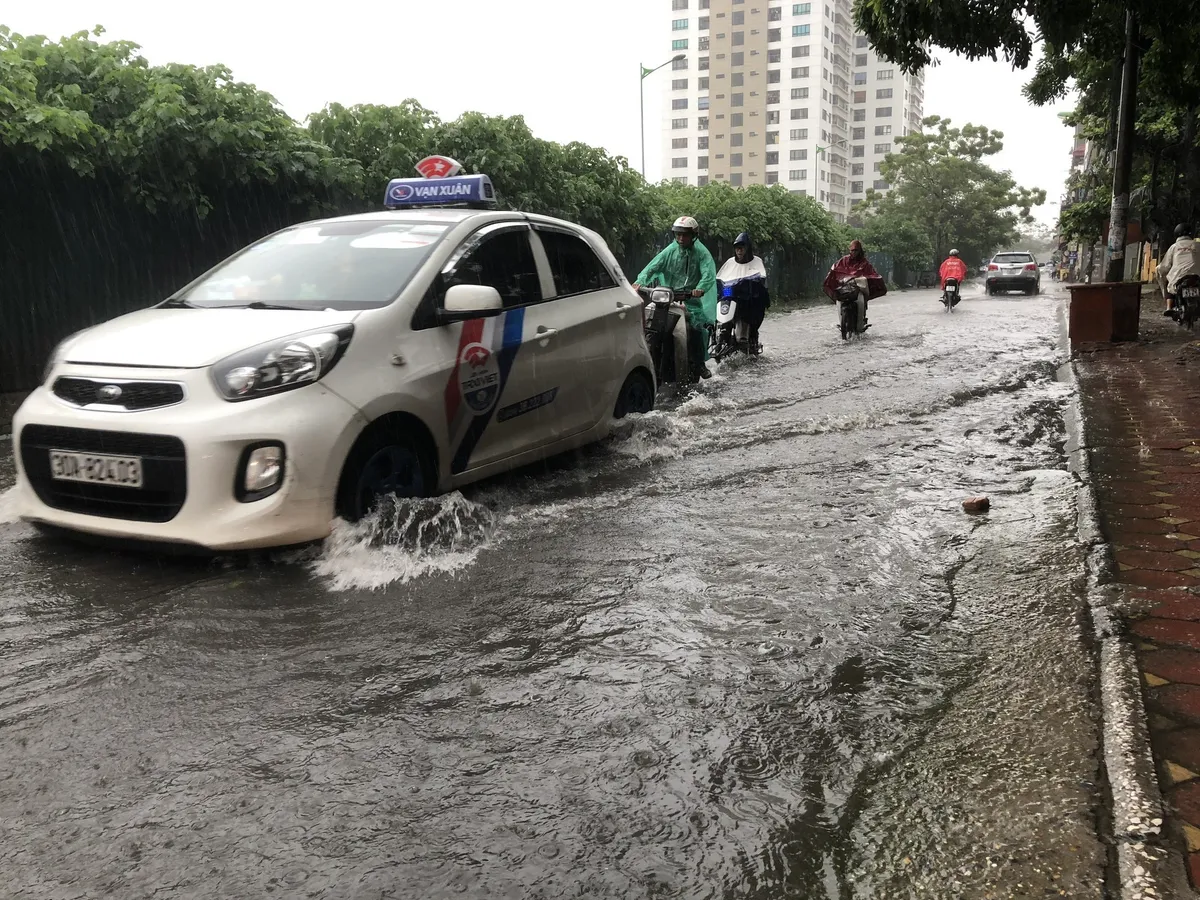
[{"x": 1149, "y": 867}]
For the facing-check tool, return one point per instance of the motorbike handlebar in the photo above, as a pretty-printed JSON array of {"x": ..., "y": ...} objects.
[{"x": 676, "y": 296}]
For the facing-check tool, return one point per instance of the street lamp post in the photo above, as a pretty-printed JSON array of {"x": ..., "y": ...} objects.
[{"x": 642, "y": 92}]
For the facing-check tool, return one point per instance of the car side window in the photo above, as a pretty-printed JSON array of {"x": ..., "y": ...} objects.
[
  {"x": 575, "y": 266},
  {"x": 504, "y": 261}
]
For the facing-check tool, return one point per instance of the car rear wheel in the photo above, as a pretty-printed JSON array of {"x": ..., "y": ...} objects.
[
  {"x": 637, "y": 396},
  {"x": 385, "y": 462}
]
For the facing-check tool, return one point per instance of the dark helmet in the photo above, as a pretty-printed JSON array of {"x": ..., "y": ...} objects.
[
  {"x": 1184, "y": 230},
  {"x": 743, "y": 240}
]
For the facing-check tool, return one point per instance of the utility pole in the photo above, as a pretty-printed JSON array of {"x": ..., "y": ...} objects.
[{"x": 1118, "y": 217}]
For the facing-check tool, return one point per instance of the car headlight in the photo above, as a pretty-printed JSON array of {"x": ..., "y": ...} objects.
[
  {"x": 56, "y": 355},
  {"x": 281, "y": 365}
]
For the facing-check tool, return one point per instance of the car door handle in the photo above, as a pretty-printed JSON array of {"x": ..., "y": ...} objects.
[
  {"x": 622, "y": 309},
  {"x": 544, "y": 334}
]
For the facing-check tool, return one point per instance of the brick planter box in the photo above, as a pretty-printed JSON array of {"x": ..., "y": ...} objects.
[{"x": 1104, "y": 312}]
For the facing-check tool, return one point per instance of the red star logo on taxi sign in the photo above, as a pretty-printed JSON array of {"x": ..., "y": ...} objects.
[{"x": 438, "y": 167}]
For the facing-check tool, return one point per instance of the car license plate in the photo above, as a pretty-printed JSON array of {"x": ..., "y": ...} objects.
[
  {"x": 95, "y": 468},
  {"x": 1191, "y": 292}
]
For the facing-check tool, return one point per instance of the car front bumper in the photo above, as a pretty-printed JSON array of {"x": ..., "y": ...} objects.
[{"x": 193, "y": 453}]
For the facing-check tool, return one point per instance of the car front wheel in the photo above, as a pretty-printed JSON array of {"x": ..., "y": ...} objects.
[
  {"x": 387, "y": 461},
  {"x": 637, "y": 396}
]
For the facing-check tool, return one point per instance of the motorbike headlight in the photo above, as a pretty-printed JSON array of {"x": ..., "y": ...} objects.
[{"x": 281, "y": 365}]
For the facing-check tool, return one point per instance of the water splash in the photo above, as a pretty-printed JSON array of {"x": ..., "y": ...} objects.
[
  {"x": 405, "y": 539},
  {"x": 655, "y": 436}
]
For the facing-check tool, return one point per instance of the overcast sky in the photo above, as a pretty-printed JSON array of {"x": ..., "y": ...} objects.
[{"x": 573, "y": 76}]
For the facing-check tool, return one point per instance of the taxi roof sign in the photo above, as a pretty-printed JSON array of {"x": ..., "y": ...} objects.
[{"x": 470, "y": 190}]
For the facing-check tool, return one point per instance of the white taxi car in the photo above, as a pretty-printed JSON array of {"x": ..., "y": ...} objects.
[{"x": 409, "y": 351}]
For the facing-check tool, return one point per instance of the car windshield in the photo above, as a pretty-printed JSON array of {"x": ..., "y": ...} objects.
[
  {"x": 1011, "y": 258},
  {"x": 355, "y": 264}
]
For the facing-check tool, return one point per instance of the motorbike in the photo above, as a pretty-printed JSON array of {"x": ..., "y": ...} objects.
[
  {"x": 852, "y": 307},
  {"x": 1189, "y": 301},
  {"x": 951, "y": 294},
  {"x": 731, "y": 333},
  {"x": 667, "y": 334}
]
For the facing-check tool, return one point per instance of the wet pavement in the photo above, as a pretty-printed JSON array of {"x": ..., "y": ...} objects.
[
  {"x": 1144, "y": 433},
  {"x": 751, "y": 646}
]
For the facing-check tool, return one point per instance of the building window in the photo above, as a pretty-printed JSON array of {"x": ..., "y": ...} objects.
[
  {"x": 702, "y": 181},
  {"x": 737, "y": 99},
  {"x": 736, "y": 139},
  {"x": 798, "y": 30},
  {"x": 739, "y": 38},
  {"x": 702, "y": 123},
  {"x": 883, "y": 129},
  {"x": 679, "y": 44},
  {"x": 878, "y": 167},
  {"x": 702, "y": 23},
  {"x": 774, "y": 35},
  {"x": 679, "y": 4},
  {"x": 798, "y": 175},
  {"x": 883, "y": 148},
  {"x": 772, "y": 178},
  {"x": 801, "y": 52},
  {"x": 735, "y": 160},
  {"x": 736, "y": 120},
  {"x": 799, "y": 114},
  {"x": 800, "y": 71},
  {"x": 885, "y": 74},
  {"x": 702, "y": 44},
  {"x": 738, "y": 59},
  {"x": 679, "y": 84},
  {"x": 679, "y": 143},
  {"x": 679, "y": 25},
  {"x": 679, "y": 162},
  {"x": 858, "y": 151},
  {"x": 856, "y": 169},
  {"x": 774, "y": 56},
  {"x": 679, "y": 64},
  {"x": 798, "y": 155},
  {"x": 679, "y": 123},
  {"x": 703, "y": 4},
  {"x": 772, "y": 117},
  {"x": 702, "y": 163},
  {"x": 883, "y": 94},
  {"x": 860, "y": 77},
  {"x": 703, "y": 64},
  {"x": 775, "y": 14},
  {"x": 860, "y": 115},
  {"x": 702, "y": 103},
  {"x": 772, "y": 97},
  {"x": 772, "y": 138},
  {"x": 702, "y": 143},
  {"x": 773, "y": 76},
  {"x": 801, "y": 9},
  {"x": 799, "y": 134},
  {"x": 883, "y": 112},
  {"x": 679, "y": 180},
  {"x": 880, "y": 185},
  {"x": 856, "y": 187},
  {"x": 679, "y": 103},
  {"x": 861, "y": 42},
  {"x": 799, "y": 93},
  {"x": 857, "y": 134},
  {"x": 773, "y": 158},
  {"x": 739, "y": 18},
  {"x": 737, "y": 79},
  {"x": 736, "y": 179},
  {"x": 860, "y": 60},
  {"x": 702, "y": 83},
  {"x": 860, "y": 96}
]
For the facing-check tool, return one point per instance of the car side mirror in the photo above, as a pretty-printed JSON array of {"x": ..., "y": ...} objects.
[{"x": 470, "y": 301}]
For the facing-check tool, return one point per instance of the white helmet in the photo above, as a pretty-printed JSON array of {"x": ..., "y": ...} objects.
[{"x": 686, "y": 223}]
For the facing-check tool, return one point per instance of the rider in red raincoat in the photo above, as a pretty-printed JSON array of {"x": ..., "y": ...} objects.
[
  {"x": 855, "y": 265},
  {"x": 953, "y": 267}
]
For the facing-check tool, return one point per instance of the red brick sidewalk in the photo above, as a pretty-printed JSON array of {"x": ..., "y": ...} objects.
[{"x": 1141, "y": 403}]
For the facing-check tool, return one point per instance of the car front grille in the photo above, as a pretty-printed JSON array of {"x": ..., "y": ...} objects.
[
  {"x": 164, "y": 473},
  {"x": 130, "y": 396}
]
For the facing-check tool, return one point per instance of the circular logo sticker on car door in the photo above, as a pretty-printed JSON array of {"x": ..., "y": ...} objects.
[{"x": 479, "y": 377}]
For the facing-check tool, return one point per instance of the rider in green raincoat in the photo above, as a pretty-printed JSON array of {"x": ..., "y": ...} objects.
[{"x": 686, "y": 265}]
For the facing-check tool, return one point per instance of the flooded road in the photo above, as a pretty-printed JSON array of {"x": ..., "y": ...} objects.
[{"x": 750, "y": 647}]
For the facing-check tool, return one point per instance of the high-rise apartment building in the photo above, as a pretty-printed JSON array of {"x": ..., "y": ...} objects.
[{"x": 771, "y": 92}]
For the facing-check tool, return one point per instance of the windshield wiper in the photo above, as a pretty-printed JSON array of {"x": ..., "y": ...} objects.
[
  {"x": 176, "y": 303},
  {"x": 258, "y": 304}
]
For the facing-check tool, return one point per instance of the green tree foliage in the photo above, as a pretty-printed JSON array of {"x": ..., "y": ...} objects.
[
  {"x": 173, "y": 135},
  {"x": 775, "y": 217},
  {"x": 890, "y": 229},
  {"x": 946, "y": 189}
]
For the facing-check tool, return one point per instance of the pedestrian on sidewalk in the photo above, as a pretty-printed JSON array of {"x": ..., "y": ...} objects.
[{"x": 1183, "y": 258}]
